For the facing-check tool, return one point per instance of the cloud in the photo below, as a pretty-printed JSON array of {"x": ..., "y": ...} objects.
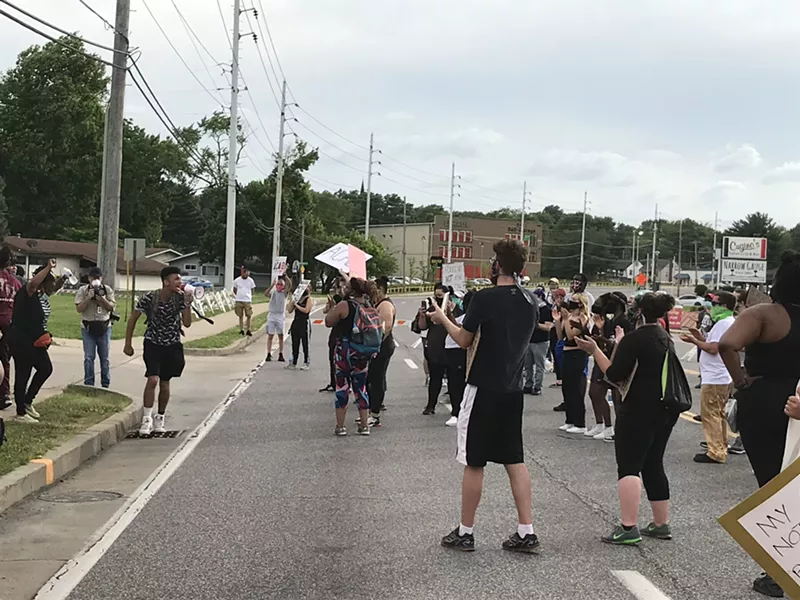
[
  {"x": 606, "y": 168},
  {"x": 464, "y": 143},
  {"x": 788, "y": 172},
  {"x": 723, "y": 190},
  {"x": 399, "y": 116},
  {"x": 737, "y": 158}
]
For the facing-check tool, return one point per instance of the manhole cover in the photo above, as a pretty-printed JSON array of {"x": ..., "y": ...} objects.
[
  {"x": 79, "y": 497},
  {"x": 173, "y": 433}
]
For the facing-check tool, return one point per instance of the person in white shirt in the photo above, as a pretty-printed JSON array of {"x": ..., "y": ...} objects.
[
  {"x": 716, "y": 381},
  {"x": 243, "y": 287}
]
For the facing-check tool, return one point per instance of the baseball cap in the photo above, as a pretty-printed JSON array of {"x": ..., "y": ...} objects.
[
  {"x": 95, "y": 272},
  {"x": 553, "y": 280}
]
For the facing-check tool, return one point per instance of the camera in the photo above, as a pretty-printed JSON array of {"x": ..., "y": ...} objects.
[
  {"x": 114, "y": 317},
  {"x": 98, "y": 287}
]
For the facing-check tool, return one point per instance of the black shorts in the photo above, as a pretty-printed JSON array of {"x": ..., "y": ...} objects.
[
  {"x": 490, "y": 428},
  {"x": 164, "y": 362}
]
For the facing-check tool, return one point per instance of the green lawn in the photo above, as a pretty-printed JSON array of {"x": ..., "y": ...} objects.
[
  {"x": 229, "y": 336},
  {"x": 63, "y": 416},
  {"x": 65, "y": 322}
]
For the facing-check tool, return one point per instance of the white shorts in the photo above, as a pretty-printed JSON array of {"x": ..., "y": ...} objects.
[{"x": 275, "y": 325}]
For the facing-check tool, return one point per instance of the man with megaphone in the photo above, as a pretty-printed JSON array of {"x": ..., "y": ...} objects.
[{"x": 95, "y": 303}]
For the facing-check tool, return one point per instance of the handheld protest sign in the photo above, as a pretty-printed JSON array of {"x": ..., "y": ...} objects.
[{"x": 767, "y": 526}]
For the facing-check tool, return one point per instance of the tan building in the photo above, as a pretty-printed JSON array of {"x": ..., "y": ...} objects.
[
  {"x": 473, "y": 239},
  {"x": 417, "y": 246}
]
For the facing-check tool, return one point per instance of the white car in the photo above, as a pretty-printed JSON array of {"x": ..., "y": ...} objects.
[{"x": 692, "y": 300}]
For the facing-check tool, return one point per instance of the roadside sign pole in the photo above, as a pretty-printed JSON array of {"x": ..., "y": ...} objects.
[{"x": 133, "y": 278}]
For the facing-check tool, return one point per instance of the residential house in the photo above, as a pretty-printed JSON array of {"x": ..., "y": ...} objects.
[
  {"x": 79, "y": 257},
  {"x": 189, "y": 264}
]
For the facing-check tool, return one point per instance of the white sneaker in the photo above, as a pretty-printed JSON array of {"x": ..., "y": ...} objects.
[
  {"x": 452, "y": 422},
  {"x": 159, "y": 422},
  {"x": 599, "y": 428},
  {"x": 608, "y": 434},
  {"x": 577, "y": 430},
  {"x": 27, "y": 419},
  {"x": 305, "y": 367},
  {"x": 566, "y": 426},
  {"x": 29, "y": 410},
  {"x": 602, "y": 435},
  {"x": 147, "y": 426}
]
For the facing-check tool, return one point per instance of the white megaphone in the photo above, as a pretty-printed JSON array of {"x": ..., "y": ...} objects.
[
  {"x": 69, "y": 276},
  {"x": 198, "y": 292}
]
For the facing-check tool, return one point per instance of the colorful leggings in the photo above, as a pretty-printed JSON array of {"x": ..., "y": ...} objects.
[{"x": 351, "y": 372}]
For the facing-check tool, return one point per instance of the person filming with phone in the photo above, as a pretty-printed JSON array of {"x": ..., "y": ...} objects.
[
  {"x": 436, "y": 355},
  {"x": 95, "y": 303}
]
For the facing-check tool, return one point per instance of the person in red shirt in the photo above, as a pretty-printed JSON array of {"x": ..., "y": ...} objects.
[{"x": 9, "y": 286}]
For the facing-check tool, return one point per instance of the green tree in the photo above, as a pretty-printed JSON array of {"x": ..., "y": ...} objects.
[
  {"x": 3, "y": 211},
  {"x": 51, "y": 130}
]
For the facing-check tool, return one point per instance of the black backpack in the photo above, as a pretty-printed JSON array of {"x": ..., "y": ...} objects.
[
  {"x": 676, "y": 393},
  {"x": 2, "y": 431}
]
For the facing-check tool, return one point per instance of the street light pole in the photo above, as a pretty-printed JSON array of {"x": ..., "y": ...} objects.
[
  {"x": 583, "y": 231},
  {"x": 233, "y": 132},
  {"x": 450, "y": 228},
  {"x": 276, "y": 231}
]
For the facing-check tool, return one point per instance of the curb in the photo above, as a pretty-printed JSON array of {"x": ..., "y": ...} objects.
[
  {"x": 67, "y": 457},
  {"x": 234, "y": 348}
]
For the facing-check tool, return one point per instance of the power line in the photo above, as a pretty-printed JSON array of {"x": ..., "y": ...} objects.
[
  {"x": 103, "y": 19},
  {"x": 313, "y": 118},
  {"x": 306, "y": 127},
  {"x": 56, "y": 40},
  {"x": 224, "y": 26},
  {"x": 263, "y": 64},
  {"x": 271, "y": 42}
]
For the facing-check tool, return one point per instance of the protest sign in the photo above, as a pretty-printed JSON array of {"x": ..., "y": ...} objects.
[
  {"x": 338, "y": 257},
  {"x": 357, "y": 260},
  {"x": 302, "y": 287},
  {"x": 767, "y": 524},
  {"x": 278, "y": 267},
  {"x": 675, "y": 317},
  {"x": 453, "y": 276}
]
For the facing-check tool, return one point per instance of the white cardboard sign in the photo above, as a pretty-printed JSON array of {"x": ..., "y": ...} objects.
[
  {"x": 453, "y": 276},
  {"x": 304, "y": 283},
  {"x": 338, "y": 257},
  {"x": 278, "y": 267}
]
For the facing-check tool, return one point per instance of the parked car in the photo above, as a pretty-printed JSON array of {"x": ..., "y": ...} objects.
[
  {"x": 692, "y": 300},
  {"x": 482, "y": 281},
  {"x": 197, "y": 282},
  {"x": 417, "y": 281}
]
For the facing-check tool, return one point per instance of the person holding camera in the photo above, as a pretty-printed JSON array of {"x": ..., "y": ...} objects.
[
  {"x": 436, "y": 355},
  {"x": 95, "y": 303}
]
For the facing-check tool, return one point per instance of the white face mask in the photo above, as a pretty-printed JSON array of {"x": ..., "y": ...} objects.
[{"x": 95, "y": 283}]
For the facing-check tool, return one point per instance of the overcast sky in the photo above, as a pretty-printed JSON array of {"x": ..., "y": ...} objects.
[{"x": 689, "y": 104}]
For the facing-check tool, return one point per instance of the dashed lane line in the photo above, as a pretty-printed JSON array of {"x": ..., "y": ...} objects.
[
  {"x": 638, "y": 585},
  {"x": 411, "y": 364},
  {"x": 417, "y": 343}
]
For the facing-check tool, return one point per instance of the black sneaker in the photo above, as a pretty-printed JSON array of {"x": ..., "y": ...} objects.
[
  {"x": 766, "y": 585},
  {"x": 560, "y": 408},
  {"x": 328, "y": 388},
  {"x": 698, "y": 386},
  {"x": 698, "y": 418},
  {"x": 249, "y": 333},
  {"x": 537, "y": 392},
  {"x": 463, "y": 543},
  {"x": 527, "y": 390},
  {"x": 280, "y": 358},
  {"x": 529, "y": 544},
  {"x": 241, "y": 332},
  {"x": 5, "y": 403},
  {"x": 428, "y": 411},
  {"x": 269, "y": 357},
  {"x": 705, "y": 458}
]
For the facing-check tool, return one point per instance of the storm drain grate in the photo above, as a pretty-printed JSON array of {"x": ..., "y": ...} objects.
[
  {"x": 172, "y": 433},
  {"x": 79, "y": 497}
]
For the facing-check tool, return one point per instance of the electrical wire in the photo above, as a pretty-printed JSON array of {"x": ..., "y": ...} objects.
[
  {"x": 263, "y": 64},
  {"x": 56, "y": 40},
  {"x": 271, "y": 41},
  {"x": 224, "y": 26},
  {"x": 306, "y": 127},
  {"x": 103, "y": 19}
]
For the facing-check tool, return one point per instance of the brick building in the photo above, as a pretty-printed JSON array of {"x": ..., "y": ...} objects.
[{"x": 473, "y": 239}]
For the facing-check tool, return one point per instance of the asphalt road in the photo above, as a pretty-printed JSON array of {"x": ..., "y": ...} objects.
[{"x": 272, "y": 505}]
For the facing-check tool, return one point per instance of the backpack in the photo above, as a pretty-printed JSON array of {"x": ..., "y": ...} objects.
[
  {"x": 676, "y": 393},
  {"x": 367, "y": 333},
  {"x": 2, "y": 431}
]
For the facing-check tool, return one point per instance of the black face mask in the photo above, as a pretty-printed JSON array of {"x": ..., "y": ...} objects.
[
  {"x": 573, "y": 305},
  {"x": 495, "y": 272}
]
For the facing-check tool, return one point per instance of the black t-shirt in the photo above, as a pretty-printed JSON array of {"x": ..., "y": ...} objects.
[
  {"x": 644, "y": 348},
  {"x": 506, "y": 321},
  {"x": 545, "y": 316},
  {"x": 30, "y": 315},
  {"x": 300, "y": 317}
]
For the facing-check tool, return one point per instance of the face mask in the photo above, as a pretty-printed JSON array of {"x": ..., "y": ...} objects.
[
  {"x": 718, "y": 313},
  {"x": 279, "y": 286},
  {"x": 495, "y": 272}
]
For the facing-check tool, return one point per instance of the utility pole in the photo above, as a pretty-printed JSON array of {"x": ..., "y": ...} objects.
[
  {"x": 108, "y": 235},
  {"x": 680, "y": 256},
  {"x": 233, "y": 133},
  {"x": 302, "y": 240},
  {"x": 655, "y": 253},
  {"x": 450, "y": 228},
  {"x": 369, "y": 181},
  {"x": 714, "y": 255},
  {"x": 696, "y": 272},
  {"x": 404, "y": 240},
  {"x": 583, "y": 231},
  {"x": 276, "y": 232},
  {"x": 524, "y": 204},
  {"x": 633, "y": 259}
]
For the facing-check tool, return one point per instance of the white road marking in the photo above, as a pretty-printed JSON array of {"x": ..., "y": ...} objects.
[
  {"x": 690, "y": 355},
  {"x": 411, "y": 364},
  {"x": 639, "y": 585},
  {"x": 417, "y": 343},
  {"x": 61, "y": 585},
  {"x": 396, "y": 344}
]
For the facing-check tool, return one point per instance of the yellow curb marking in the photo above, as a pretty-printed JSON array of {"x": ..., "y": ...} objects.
[{"x": 48, "y": 468}]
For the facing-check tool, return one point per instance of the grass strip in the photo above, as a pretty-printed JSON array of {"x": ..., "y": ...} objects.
[
  {"x": 63, "y": 416},
  {"x": 228, "y": 337}
]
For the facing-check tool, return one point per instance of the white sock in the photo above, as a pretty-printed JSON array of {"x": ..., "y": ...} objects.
[
  {"x": 147, "y": 413},
  {"x": 524, "y": 530},
  {"x": 464, "y": 530}
]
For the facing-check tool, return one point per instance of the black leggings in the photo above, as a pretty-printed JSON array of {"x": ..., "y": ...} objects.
[
  {"x": 552, "y": 353},
  {"x": 27, "y": 358},
  {"x": 437, "y": 372},
  {"x": 376, "y": 376},
  {"x": 331, "y": 346},
  {"x": 456, "y": 377},
  {"x": 299, "y": 331},
  {"x": 641, "y": 434},
  {"x": 762, "y": 424},
  {"x": 573, "y": 386}
]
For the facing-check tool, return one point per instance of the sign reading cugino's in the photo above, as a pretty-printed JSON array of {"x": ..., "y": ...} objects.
[{"x": 744, "y": 247}]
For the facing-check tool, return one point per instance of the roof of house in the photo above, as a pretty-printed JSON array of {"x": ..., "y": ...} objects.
[
  {"x": 84, "y": 250},
  {"x": 154, "y": 251}
]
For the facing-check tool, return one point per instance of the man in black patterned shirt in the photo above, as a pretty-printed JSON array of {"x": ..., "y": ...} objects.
[{"x": 166, "y": 310}]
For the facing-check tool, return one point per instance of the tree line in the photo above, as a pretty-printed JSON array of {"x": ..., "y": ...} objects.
[{"x": 174, "y": 189}]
